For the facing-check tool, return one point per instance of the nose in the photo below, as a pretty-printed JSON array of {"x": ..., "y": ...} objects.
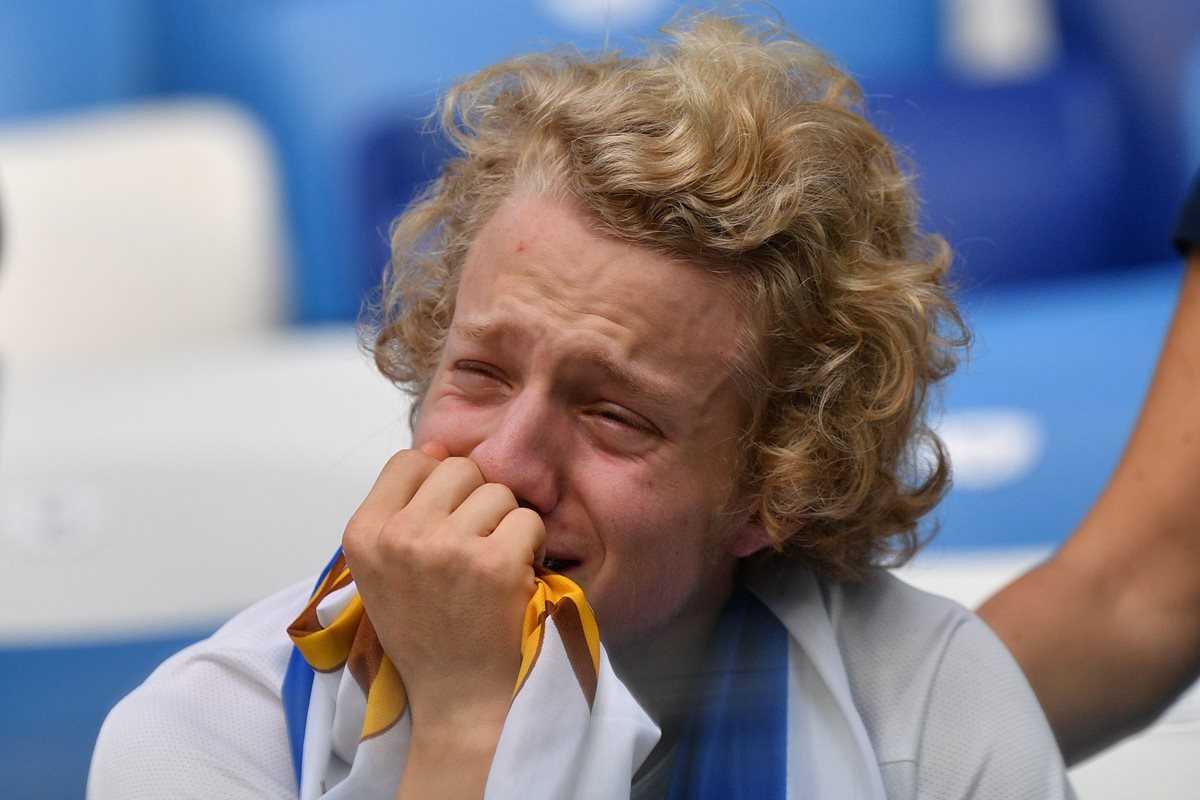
[{"x": 523, "y": 450}]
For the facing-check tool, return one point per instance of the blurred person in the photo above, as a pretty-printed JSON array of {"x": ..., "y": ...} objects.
[
  {"x": 669, "y": 326},
  {"x": 1108, "y": 630}
]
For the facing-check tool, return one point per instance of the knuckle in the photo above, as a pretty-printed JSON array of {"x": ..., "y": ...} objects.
[
  {"x": 406, "y": 458},
  {"x": 396, "y": 548},
  {"x": 409, "y": 462},
  {"x": 402, "y": 520},
  {"x": 528, "y": 518},
  {"x": 409, "y": 526},
  {"x": 356, "y": 533},
  {"x": 461, "y": 466},
  {"x": 498, "y": 494}
]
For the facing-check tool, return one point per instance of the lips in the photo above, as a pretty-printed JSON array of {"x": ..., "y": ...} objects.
[{"x": 563, "y": 552}]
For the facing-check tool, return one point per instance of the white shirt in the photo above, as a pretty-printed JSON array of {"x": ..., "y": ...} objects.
[{"x": 944, "y": 708}]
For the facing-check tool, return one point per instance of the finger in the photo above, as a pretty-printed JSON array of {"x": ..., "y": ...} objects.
[
  {"x": 522, "y": 531},
  {"x": 446, "y": 488},
  {"x": 395, "y": 487},
  {"x": 483, "y": 509},
  {"x": 435, "y": 450}
]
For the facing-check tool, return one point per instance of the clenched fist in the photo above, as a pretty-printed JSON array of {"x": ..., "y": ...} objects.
[{"x": 444, "y": 562}]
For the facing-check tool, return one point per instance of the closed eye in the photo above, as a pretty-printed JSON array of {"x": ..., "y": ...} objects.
[
  {"x": 623, "y": 421},
  {"x": 477, "y": 375}
]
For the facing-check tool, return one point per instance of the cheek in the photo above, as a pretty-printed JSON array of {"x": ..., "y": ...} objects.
[
  {"x": 438, "y": 422},
  {"x": 633, "y": 495},
  {"x": 656, "y": 537}
]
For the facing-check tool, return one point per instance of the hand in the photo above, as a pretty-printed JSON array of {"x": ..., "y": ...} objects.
[{"x": 444, "y": 562}]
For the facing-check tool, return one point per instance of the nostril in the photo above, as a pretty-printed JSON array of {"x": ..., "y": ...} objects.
[{"x": 523, "y": 503}]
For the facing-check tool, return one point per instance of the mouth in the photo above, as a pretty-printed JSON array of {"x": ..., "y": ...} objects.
[{"x": 558, "y": 564}]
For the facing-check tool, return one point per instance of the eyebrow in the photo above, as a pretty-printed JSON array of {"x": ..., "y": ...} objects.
[
  {"x": 637, "y": 382},
  {"x": 482, "y": 331}
]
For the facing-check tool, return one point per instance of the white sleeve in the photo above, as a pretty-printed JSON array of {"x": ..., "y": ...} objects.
[
  {"x": 984, "y": 735},
  {"x": 208, "y": 723}
]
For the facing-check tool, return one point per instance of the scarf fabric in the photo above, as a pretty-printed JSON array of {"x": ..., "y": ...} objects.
[
  {"x": 573, "y": 730},
  {"x": 774, "y": 720},
  {"x": 734, "y": 743}
]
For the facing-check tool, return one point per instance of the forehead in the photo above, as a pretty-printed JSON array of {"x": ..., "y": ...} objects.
[{"x": 544, "y": 251}]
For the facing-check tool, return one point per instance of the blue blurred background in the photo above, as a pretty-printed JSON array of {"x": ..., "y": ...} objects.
[
  {"x": 1053, "y": 141},
  {"x": 1051, "y": 135}
]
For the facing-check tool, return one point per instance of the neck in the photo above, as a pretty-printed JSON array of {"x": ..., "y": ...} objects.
[{"x": 665, "y": 670}]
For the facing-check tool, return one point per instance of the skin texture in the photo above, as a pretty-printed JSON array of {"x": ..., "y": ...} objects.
[
  {"x": 1108, "y": 630},
  {"x": 584, "y": 407}
]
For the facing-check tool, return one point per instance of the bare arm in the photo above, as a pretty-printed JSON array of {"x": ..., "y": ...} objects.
[{"x": 1108, "y": 630}]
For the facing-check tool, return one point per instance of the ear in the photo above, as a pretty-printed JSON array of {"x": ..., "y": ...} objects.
[{"x": 748, "y": 539}]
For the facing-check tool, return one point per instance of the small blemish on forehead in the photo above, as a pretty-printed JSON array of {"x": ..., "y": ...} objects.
[{"x": 521, "y": 246}]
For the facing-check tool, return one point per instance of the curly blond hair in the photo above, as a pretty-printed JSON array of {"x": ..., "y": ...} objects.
[{"x": 736, "y": 146}]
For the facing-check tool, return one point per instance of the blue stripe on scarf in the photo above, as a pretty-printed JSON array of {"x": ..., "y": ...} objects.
[
  {"x": 297, "y": 690},
  {"x": 734, "y": 745}
]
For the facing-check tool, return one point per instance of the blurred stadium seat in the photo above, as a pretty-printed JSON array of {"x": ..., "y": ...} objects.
[
  {"x": 1021, "y": 177},
  {"x": 145, "y": 498},
  {"x": 137, "y": 227},
  {"x": 344, "y": 87}
]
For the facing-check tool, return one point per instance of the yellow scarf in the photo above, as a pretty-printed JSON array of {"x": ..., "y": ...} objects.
[{"x": 350, "y": 641}]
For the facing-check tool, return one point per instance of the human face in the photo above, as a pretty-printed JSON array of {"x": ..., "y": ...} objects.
[{"x": 595, "y": 379}]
